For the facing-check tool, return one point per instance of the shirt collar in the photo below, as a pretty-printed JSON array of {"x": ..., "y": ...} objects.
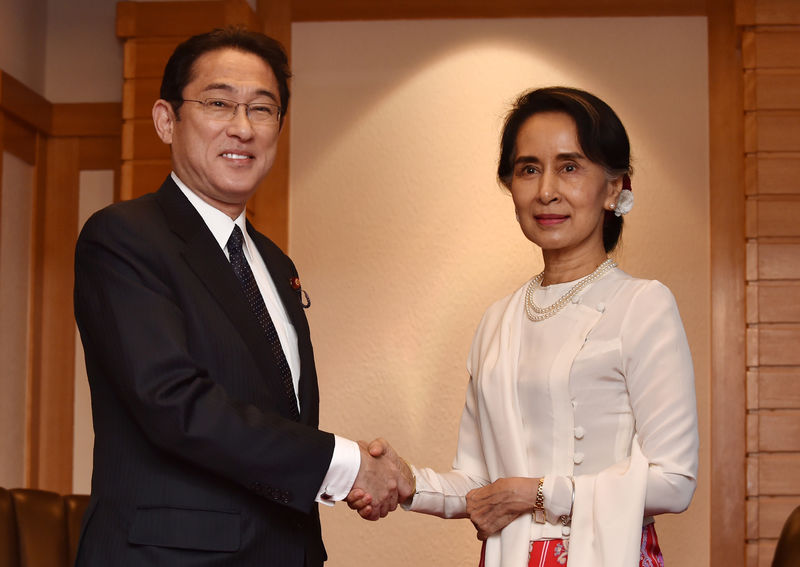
[{"x": 220, "y": 224}]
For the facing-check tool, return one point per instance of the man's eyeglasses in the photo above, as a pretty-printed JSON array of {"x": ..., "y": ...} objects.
[{"x": 224, "y": 109}]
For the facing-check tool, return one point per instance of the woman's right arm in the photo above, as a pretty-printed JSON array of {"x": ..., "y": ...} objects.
[{"x": 444, "y": 494}]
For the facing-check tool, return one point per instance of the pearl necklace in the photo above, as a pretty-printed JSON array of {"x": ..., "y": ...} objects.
[{"x": 536, "y": 313}]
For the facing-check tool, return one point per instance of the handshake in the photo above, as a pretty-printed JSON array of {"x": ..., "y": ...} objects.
[{"x": 384, "y": 480}]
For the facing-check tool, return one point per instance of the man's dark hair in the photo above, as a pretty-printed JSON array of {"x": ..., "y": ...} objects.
[
  {"x": 179, "y": 70},
  {"x": 601, "y": 135}
]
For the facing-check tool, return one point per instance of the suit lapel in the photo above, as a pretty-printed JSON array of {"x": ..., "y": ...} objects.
[{"x": 206, "y": 259}]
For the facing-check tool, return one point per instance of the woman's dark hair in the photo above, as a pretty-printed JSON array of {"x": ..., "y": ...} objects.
[
  {"x": 601, "y": 135},
  {"x": 179, "y": 70}
]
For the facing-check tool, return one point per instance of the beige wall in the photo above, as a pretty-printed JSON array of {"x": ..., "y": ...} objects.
[
  {"x": 403, "y": 238},
  {"x": 15, "y": 242},
  {"x": 22, "y": 40},
  {"x": 84, "y": 56}
]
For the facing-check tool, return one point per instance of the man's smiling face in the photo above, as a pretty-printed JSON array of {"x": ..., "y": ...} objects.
[{"x": 223, "y": 161}]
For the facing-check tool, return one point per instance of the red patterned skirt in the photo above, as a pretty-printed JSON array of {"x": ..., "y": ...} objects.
[{"x": 553, "y": 553}]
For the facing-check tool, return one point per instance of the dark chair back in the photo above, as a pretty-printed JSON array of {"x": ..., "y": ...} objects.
[
  {"x": 787, "y": 553},
  {"x": 39, "y": 528}
]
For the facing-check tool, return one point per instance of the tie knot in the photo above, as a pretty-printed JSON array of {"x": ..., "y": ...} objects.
[{"x": 235, "y": 241}]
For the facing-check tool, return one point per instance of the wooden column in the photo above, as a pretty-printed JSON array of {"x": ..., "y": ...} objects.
[
  {"x": 268, "y": 210},
  {"x": 56, "y": 211},
  {"x": 727, "y": 287}
]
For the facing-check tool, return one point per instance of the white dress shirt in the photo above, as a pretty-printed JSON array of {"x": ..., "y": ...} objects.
[
  {"x": 603, "y": 391},
  {"x": 346, "y": 459}
]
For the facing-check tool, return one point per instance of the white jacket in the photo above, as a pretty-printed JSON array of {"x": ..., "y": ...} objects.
[{"x": 621, "y": 381}]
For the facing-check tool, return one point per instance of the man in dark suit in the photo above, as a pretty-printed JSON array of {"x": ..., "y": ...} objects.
[{"x": 204, "y": 390}]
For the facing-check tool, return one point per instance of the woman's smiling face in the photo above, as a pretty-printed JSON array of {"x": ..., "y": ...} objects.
[{"x": 559, "y": 194}]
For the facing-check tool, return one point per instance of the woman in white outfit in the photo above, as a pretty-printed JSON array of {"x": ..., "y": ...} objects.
[{"x": 580, "y": 421}]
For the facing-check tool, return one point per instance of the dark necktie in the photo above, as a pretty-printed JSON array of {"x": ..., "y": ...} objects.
[{"x": 256, "y": 301}]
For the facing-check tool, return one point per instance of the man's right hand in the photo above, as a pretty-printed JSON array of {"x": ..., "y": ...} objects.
[{"x": 384, "y": 479}]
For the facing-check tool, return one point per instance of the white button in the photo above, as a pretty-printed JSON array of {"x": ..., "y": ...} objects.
[
  {"x": 601, "y": 307},
  {"x": 576, "y": 299},
  {"x": 579, "y": 432},
  {"x": 574, "y": 404},
  {"x": 577, "y": 458}
]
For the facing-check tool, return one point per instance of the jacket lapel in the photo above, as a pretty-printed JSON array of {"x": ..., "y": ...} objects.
[{"x": 206, "y": 259}]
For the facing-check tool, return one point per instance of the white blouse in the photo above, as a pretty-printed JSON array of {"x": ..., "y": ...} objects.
[{"x": 607, "y": 388}]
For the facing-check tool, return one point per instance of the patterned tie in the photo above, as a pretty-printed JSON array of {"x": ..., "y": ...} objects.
[{"x": 254, "y": 298}]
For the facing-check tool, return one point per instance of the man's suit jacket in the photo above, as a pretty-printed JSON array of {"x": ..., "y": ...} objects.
[{"x": 196, "y": 459}]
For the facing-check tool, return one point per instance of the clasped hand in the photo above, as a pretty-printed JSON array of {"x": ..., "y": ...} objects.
[
  {"x": 383, "y": 481},
  {"x": 494, "y": 506}
]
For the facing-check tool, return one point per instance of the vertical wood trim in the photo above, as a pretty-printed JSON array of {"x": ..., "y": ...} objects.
[
  {"x": 32, "y": 403},
  {"x": 52, "y": 387},
  {"x": 728, "y": 379},
  {"x": 2, "y": 151}
]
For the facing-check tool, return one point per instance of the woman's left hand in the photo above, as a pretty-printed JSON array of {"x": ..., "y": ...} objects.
[{"x": 494, "y": 506}]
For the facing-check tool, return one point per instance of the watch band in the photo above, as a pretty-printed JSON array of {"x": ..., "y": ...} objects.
[{"x": 539, "y": 515}]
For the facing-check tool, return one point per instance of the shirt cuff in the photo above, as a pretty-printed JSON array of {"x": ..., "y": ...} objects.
[
  {"x": 342, "y": 471},
  {"x": 557, "y": 492}
]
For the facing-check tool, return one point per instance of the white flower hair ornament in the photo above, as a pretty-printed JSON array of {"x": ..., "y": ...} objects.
[{"x": 624, "y": 202}]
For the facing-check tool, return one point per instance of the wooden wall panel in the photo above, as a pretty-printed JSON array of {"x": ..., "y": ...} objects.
[
  {"x": 24, "y": 103},
  {"x": 87, "y": 119},
  {"x": 778, "y": 345},
  {"x": 142, "y": 176},
  {"x": 776, "y": 302},
  {"x": 772, "y": 131},
  {"x": 766, "y": 551},
  {"x": 774, "y": 216},
  {"x": 98, "y": 153},
  {"x": 138, "y": 96},
  {"x": 767, "y": 48},
  {"x": 779, "y": 430},
  {"x": 755, "y": 12},
  {"x": 772, "y": 89},
  {"x": 136, "y": 19},
  {"x": 772, "y": 513},
  {"x": 146, "y": 57},
  {"x": 775, "y": 173},
  {"x": 778, "y": 387},
  {"x": 778, "y": 474},
  {"x": 19, "y": 139},
  {"x": 778, "y": 259},
  {"x": 771, "y": 55},
  {"x": 140, "y": 141}
]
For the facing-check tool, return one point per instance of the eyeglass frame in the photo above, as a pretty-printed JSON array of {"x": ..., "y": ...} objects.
[{"x": 236, "y": 106}]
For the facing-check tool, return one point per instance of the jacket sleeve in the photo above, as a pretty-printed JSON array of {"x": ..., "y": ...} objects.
[
  {"x": 658, "y": 370},
  {"x": 444, "y": 494}
]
